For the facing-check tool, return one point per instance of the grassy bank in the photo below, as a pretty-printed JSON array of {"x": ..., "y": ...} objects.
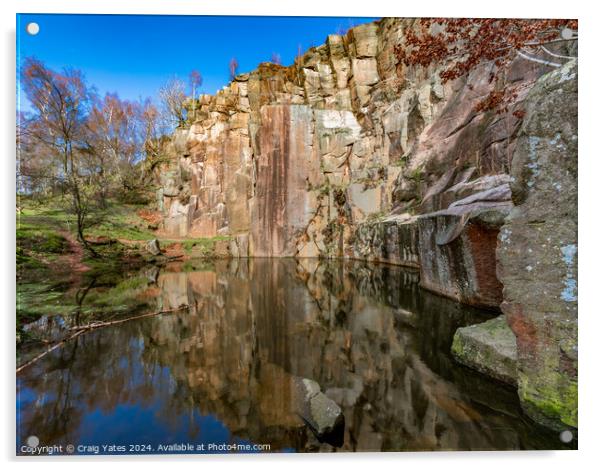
[{"x": 51, "y": 261}]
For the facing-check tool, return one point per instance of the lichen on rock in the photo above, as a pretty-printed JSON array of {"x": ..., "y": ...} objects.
[{"x": 538, "y": 251}]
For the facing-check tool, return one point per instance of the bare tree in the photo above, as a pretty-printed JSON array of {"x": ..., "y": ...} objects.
[
  {"x": 61, "y": 103},
  {"x": 156, "y": 138},
  {"x": 276, "y": 59},
  {"x": 115, "y": 139},
  {"x": 173, "y": 98},
  {"x": 196, "y": 80},
  {"x": 233, "y": 66},
  {"x": 36, "y": 166}
]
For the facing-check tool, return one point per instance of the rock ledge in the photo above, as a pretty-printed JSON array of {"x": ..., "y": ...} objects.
[{"x": 488, "y": 347}]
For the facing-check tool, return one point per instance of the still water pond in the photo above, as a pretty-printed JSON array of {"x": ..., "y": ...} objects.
[{"x": 218, "y": 372}]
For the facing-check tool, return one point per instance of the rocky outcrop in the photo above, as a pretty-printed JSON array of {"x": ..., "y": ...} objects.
[
  {"x": 538, "y": 250},
  {"x": 322, "y": 415},
  {"x": 488, "y": 347},
  {"x": 347, "y": 153},
  {"x": 336, "y": 154},
  {"x": 457, "y": 248},
  {"x": 391, "y": 240}
]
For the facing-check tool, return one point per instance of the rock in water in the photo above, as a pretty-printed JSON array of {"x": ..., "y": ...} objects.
[
  {"x": 153, "y": 247},
  {"x": 488, "y": 347},
  {"x": 537, "y": 251},
  {"x": 322, "y": 415}
]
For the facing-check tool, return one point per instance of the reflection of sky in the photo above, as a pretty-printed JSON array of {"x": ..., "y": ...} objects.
[
  {"x": 144, "y": 421},
  {"x": 134, "y": 55}
]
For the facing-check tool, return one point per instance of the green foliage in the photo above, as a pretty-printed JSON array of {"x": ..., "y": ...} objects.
[
  {"x": 401, "y": 161},
  {"x": 37, "y": 245},
  {"x": 376, "y": 216},
  {"x": 416, "y": 175},
  {"x": 199, "y": 247},
  {"x": 121, "y": 221}
]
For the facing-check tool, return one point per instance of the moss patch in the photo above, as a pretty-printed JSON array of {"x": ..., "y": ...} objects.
[{"x": 554, "y": 402}]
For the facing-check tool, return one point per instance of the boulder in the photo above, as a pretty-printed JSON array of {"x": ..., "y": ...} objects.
[
  {"x": 538, "y": 251},
  {"x": 489, "y": 347},
  {"x": 324, "y": 417},
  {"x": 152, "y": 246}
]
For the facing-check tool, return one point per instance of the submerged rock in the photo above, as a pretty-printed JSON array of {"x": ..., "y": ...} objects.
[{"x": 488, "y": 347}]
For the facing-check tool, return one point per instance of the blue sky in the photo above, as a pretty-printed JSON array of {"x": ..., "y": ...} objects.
[{"x": 134, "y": 55}]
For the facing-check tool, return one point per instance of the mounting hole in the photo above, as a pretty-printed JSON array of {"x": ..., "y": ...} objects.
[
  {"x": 566, "y": 33},
  {"x": 566, "y": 436},
  {"x": 32, "y": 28}
]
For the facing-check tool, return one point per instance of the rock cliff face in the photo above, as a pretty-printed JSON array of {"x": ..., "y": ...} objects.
[
  {"x": 538, "y": 250},
  {"x": 347, "y": 153}
]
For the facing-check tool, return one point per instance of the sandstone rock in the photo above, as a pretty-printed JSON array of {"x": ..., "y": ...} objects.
[
  {"x": 286, "y": 163},
  {"x": 322, "y": 415},
  {"x": 538, "y": 251},
  {"x": 393, "y": 240},
  {"x": 364, "y": 200},
  {"x": 365, "y": 40},
  {"x": 457, "y": 252},
  {"x": 339, "y": 60},
  {"x": 311, "y": 160},
  {"x": 365, "y": 71},
  {"x": 153, "y": 247},
  {"x": 335, "y": 131},
  {"x": 436, "y": 189},
  {"x": 488, "y": 347}
]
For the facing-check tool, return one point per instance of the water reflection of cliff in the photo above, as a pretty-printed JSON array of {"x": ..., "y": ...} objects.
[{"x": 377, "y": 345}]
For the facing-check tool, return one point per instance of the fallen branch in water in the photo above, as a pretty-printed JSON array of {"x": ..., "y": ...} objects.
[
  {"x": 91, "y": 326},
  {"x": 100, "y": 324},
  {"x": 48, "y": 351}
]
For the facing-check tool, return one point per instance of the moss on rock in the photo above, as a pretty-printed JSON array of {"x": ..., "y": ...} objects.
[{"x": 488, "y": 347}]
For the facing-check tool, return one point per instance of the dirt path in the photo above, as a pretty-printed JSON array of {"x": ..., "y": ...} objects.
[{"x": 74, "y": 259}]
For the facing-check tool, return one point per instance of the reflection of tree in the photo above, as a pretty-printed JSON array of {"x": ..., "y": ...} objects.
[
  {"x": 53, "y": 412},
  {"x": 375, "y": 343}
]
